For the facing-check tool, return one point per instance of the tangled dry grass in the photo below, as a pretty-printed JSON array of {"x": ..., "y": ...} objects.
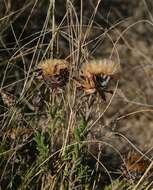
[{"x": 67, "y": 121}]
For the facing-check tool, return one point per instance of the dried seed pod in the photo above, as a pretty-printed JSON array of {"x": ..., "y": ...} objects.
[
  {"x": 7, "y": 98},
  {"x": 55, "y": 72},
  {"x": 37, "y": 101},
  {"x": 96, "y": 75},
  {"x": 135, "y": 166}
]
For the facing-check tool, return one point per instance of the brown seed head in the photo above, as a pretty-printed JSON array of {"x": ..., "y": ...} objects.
[
  {"x": 52, "y": 67},
  {"x": 135, "y": 165},
  {"x": 94, "y": 71},
  {"x": 100, "y": 67}
]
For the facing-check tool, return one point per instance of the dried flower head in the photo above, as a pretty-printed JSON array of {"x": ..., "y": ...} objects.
[
  {"x": 96, "y": 75},
  {"x": 55, "y": 72},
  {"x": 100, "y": 67},
  {"x": 52, "y": 67},
  {"x": 135, "y": 166},
  {"x": 7, "y": 98}
]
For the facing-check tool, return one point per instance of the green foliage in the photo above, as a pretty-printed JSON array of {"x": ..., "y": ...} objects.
[
  {"x": 42, "y": 148},
  {"x": 81, "y": 131},
  {"x": 123, "y": 184},
  {"x": 75, "y": 159}
]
